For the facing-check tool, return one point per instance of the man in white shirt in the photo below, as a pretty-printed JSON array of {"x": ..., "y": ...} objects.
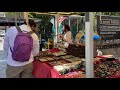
[{"x": 16, "y": 69}]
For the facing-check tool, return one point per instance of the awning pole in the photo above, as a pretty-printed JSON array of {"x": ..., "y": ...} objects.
[
  {"x": 5, "y": 28},
  {"x": 19, "y": 19},
  {"x": 89, "y": 44},
  {"x": 100, "y": 15},
  {"x": 77, "y": 23},
  {"x": 26, "y": 16},
  {"x": 57, "y": 27},
  {"x": 15, "y": 19},
  {"x": 69, "y": 21}
]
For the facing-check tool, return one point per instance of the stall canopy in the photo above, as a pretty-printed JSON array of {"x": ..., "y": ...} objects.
[
  {"x": 57, "y": 16},
  {"x": 4, "y": 21},
  {"x": 61, "y": 13}
]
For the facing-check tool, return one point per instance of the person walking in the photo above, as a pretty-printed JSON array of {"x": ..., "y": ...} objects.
[{"x": 21, "y": 45}]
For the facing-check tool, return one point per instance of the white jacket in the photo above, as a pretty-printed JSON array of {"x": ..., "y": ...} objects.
[{"x": 9, "y": 41}]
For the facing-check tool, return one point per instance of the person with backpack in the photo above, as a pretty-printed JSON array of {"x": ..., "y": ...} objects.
[{"x": 21, "y": 45}]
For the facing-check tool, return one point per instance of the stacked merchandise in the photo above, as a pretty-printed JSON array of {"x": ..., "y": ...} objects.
[
  {"x": 60, "y": 53},
  {"x": 69, "y": 67},
  {"x": 107, "y": 69},
  {"x": 106, "y": 66},
  {"x": 50, "y": 55},
  {"x": 74, "y": 59},
  {"x": 75, "y": 74},
  {"x": 76, "y": 50},
  {"x": 66, "y": 65},
  {"x": 44, "y": 56},
  {"x": 57, "y": 62},
  {"x": 67, "y": 57}
]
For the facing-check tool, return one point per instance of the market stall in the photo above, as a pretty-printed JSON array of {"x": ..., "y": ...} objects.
[
  {"x": 74, "y": 63},
  {"x": 56, "y": 63},
  {"x": 57, "y": 15}
]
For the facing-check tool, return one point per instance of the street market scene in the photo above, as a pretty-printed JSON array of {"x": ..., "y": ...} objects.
[{"x": 59, "y": 44}]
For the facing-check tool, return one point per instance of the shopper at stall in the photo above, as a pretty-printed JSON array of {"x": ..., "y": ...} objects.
[
  {"x": 19, "y": 69},
  {"x": 67, "y": 35}
]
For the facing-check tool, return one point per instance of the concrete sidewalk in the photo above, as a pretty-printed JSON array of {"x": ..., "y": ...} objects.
[{"x": 3, "y": 65}]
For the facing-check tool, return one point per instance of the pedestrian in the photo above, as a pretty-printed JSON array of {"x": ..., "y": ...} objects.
[
  {"x": 20, "y": 56},
  {"x": 68, "y": 38}
]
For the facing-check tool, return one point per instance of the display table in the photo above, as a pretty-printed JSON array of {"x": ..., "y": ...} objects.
[
  {"x": 105, "y": 66},
  {"x": 43, "y": 70}
]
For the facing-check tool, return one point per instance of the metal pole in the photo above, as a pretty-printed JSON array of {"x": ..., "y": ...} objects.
[
  {"x": 54, "y": 21},
  {"x": 5, "y": 28},
  {"x": 26, "y": 16},
  {"x": 55, "y": 28},
  {"x": 69, "y": 21},
  {"x": 77, "y": 23},
  {"x": 19, "y": 19},
  {"x": 100, "y": 15},
  {"x": 57, "y": 25},
  {"x": 15, "y": 19},
  {"x": 89, "y": 44}
]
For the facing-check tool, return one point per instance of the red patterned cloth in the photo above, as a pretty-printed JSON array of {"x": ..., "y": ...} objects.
[
  {"x": 41, "y": 70},
  {"x": 54, "y": 50},
  {"x": 55, "y": 74},
  {"x": 117, "y": 75},
  {"x": 75, "y": 74}
]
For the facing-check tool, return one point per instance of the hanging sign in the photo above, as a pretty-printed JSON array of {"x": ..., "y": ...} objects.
[{"x": 108, "y": 27}]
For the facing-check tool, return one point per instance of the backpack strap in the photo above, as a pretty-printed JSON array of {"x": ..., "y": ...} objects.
[
  {"x": 10, "y": 49},
  {"x": 18, "y": 29}
]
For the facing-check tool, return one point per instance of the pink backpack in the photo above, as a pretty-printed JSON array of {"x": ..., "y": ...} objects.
[{"x": 23, "y": 46}]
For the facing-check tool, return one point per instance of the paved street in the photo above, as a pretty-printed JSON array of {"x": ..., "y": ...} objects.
[
  {"x": 2, "y": 60},
  {"x": 3, "y": 69},
  {"x": 2, "y": 64},
  {"x": 1, "y": 43}
]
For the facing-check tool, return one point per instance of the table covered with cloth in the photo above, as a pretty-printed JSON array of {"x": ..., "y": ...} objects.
[
  {"x": 43, "y": 70},
  {"x": 105, "y": 66}
]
